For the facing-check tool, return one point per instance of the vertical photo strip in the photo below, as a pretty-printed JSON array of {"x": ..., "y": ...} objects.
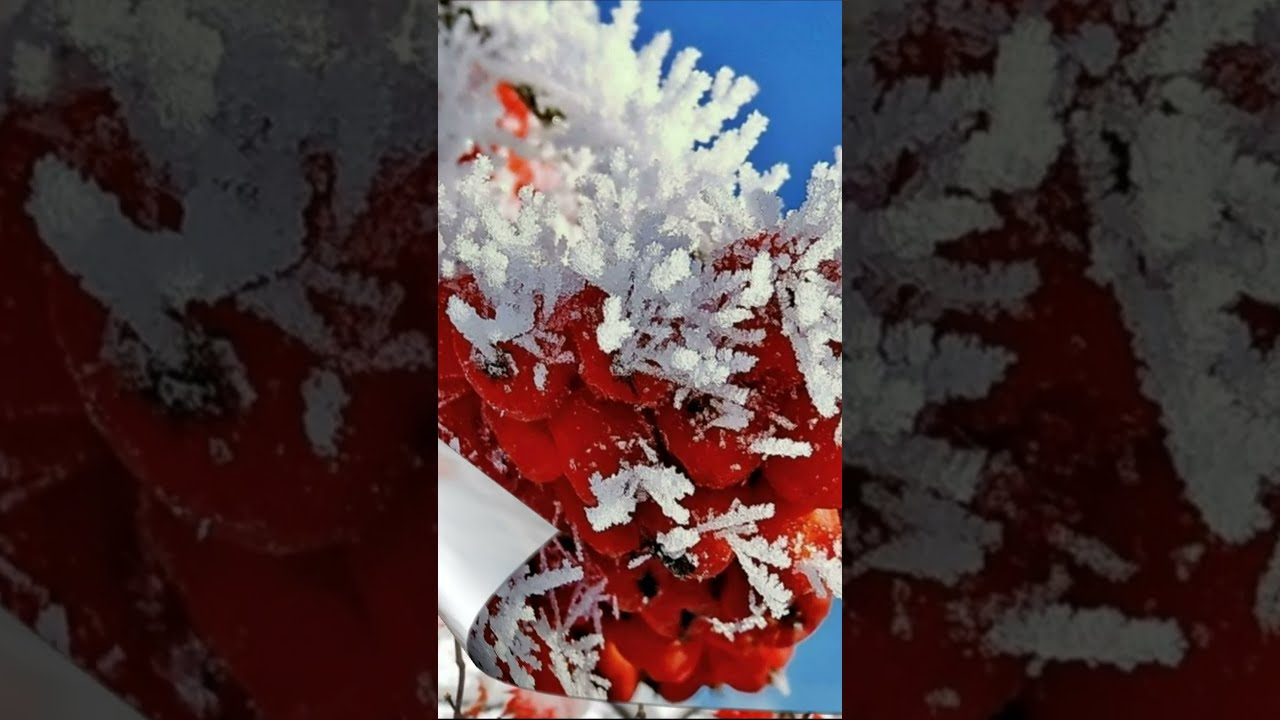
[
  {"x": 1060, "y": 378},
  {"x": 639, "y": 339}
]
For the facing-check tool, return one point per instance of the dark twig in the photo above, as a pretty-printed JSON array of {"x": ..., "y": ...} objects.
[{"x": 462, "y": 678}]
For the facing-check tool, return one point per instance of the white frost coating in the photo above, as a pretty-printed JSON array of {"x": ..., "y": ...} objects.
[
  {"x": 1092, "y": 553},
  {"x": 220, "y": 452},
  {"x": 51, "y": 625},
  {"x": 32, "y": 71},
  {"x": 1267, "y": 596},
  {"x": 942, "y": 699},
  {"x": 200, "y": 109},
  {"x": 324, "y": 399},
  {"x": 615, "y": 329},
  {"x": 617, "y": 495},
  {"x": 1024, "y": 136},
  {"x": 520, "y": 630},
  {"x": 1201, "y": 221},
  {"x": 760, "y": 558},
  {"x": 930, "y": 537},
  {"x": 825, "y": 573},
  {"x": 1095, "y": 636},
  {"x": 739, "y": 520},
  {"x": 638, "y": 209},
  {"x": 760, "y": 288},
  {"x": 1096, "y": 47},
  {"x": 156, "y": 43},
  {"x": 781, "y": 447}
]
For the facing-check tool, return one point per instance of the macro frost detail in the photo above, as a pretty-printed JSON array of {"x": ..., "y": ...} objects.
[{"x": 1061, "y": 316}]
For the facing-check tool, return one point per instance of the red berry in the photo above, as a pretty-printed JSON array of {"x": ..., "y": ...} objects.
[
  {"x": 676, "y": 605},
  {"x": 816, "y": 533},
  {"x": 711, "y": 554},
  {"x": 290, "y": 630},
  {"x": 516, "y": 112},
  {"x": 207, "y": 455},
  {"x": 776, "y": 370},
  {"x": 632, "y": 587},
  {"x": 813, "y": 480},
  {"x": 612, "y": 542},
  {"x": 713, "y": 457},
  {"x": 579, "y": 317},
  {"x": 680, "y": 691},
  {"x": 621, "y": 674},
  {"x": 515, "y": 380},
  {"x": 528, "y": 444},
  {"x": 806, "y": 612},
  {"x": 665, "y": 660},
  {"x": 599, "y": 437},
  {"x": 71, "y": 550},
  {"x": 747, "y": 670},
  {"x": 33, "y": 378},
  {"x": 385, "y": 566}
]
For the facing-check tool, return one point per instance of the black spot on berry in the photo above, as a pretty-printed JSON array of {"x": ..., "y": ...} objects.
[
  {"x": 499, "y": 367},
  {"x": 1015, "y": 710},
  {"x": 681, "y": 567},
  {"x": 568, "y": 545},
  {"x": 196, "y": 383},
  {"x": 716, "y": 585},
  {"x": 648, "y": 585},
  {"x": 686, "y": 619},
  {"x": 697, "y": 405}
]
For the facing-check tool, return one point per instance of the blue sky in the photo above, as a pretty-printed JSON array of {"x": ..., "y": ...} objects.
[{"x": 791, "y": 48}]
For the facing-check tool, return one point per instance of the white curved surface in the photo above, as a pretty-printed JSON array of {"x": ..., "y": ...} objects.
[
  {"x": 37, "y": 683},
  {"x": 486, "y": 534}
]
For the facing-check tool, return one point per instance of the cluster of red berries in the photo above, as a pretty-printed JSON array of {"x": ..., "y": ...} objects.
[{"x": 546, "y": 424}]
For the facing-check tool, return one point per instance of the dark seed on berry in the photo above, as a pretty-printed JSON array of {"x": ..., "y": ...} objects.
[
  {"x": 686, "y": 619},
  {"x": 566, "y": 542},
  {"x": 696, "y": 406},
  {"x": 681, "y": 567},
  {"x": 501, "y": 367},
  {"x": 1015, "y": 710},
  {"x": 716, "y": 585},
  {"x": 648, "y": 585}
]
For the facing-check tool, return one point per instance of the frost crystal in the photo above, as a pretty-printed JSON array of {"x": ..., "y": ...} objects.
[
  {"x": 1061, "y": 633},
  {"x": 617, "y": 495}
]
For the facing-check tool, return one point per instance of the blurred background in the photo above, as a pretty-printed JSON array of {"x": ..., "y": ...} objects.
[{"x": 792, "y": 49}]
